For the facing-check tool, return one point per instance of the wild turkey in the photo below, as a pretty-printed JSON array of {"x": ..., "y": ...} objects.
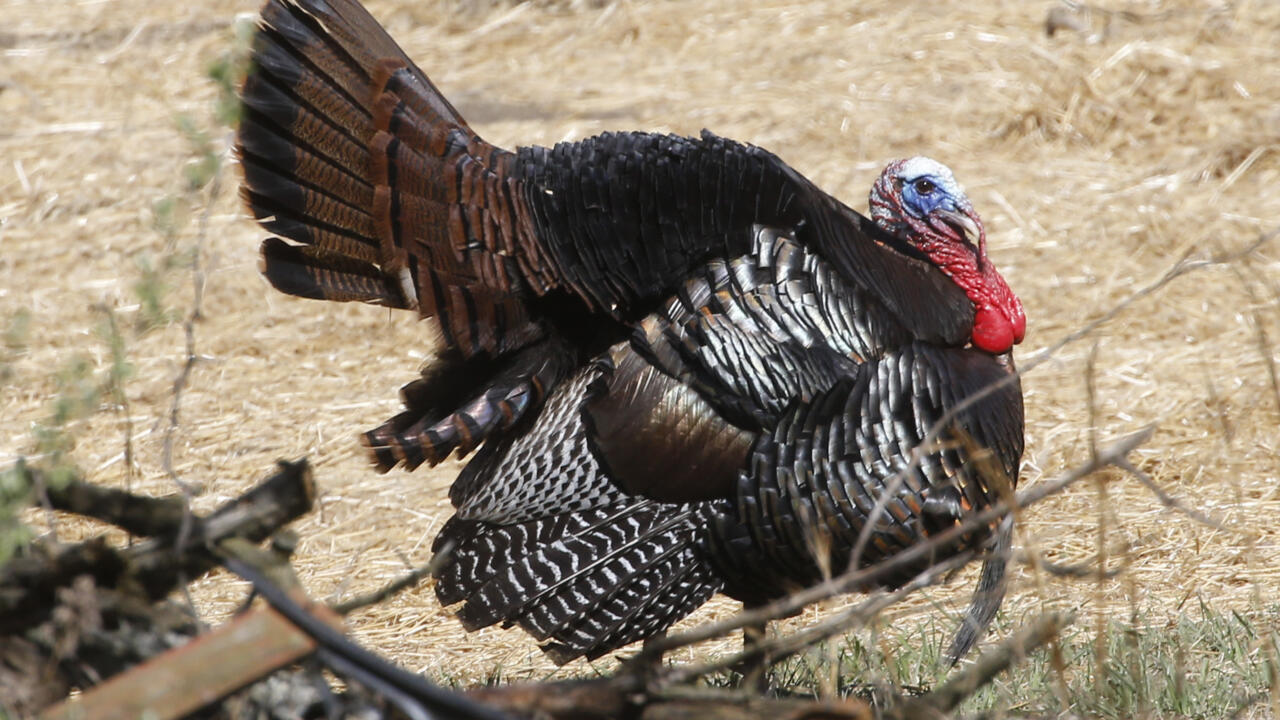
[{"x": 686, "y": 369}]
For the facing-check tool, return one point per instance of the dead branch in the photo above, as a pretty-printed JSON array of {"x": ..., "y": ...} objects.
[
  {"x": 1173, "y": 503},
  {"x": 1091, "y": 568},
  {"x": 779, "y": 648},
  {"x": 625, "y": 693},
  {"x": 215, "y": 664},
  {"x": 295, "y": 628},
  {"x": 254, "y": 516},
  {"x": 404, "y": 582},
  {"x": 151, "y": 569},
  {"x": 609, "y": 698},
  {"x": 136, "y": 514},
  {"x": 1185, "y": 265}
]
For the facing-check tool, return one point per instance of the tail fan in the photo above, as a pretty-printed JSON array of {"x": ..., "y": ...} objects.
[
  {"x": 349, "y": 150},
  {"x": 321, "y": 274}
]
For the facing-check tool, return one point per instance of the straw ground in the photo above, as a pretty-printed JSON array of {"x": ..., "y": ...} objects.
[{"x": 1135, "y": 135}]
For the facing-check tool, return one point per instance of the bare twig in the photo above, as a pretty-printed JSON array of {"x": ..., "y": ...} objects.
[
  {"x": 1173, "y": 503},
  {"x": 188, "y": 328},
  {"x": 1184, "y": 266},
  {"x": 118, "y": 394},
  {"x": 1268, "y": 357},
  {"x": 137, "y": 514},
  {"x": 943, "y": 700},
  {"x": 400, "y": 584},
  {"x": 1100, "y": 486},
  {"x": 780, "y": 648},
  {"x": 1263, "y": 341},
  {"x": 184, "y": 375},
  {"x": 1091, "y": 568}
]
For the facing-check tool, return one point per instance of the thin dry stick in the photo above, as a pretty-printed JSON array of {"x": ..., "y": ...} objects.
[
  {"x": 184, "y": 376},
  {"x": 1091, "y": 568},
  {"x": 948, "y": 697},
  {"x": 1263, "y": 341},
  {"x": 1056, "y": 660},
  {"x": 853, "y": 580},
  {"x": 1100, "y": 485},
  {"x": 779, "y": 648},
  {"x": 121, "y": 398},
  {"x": 1173, "y": 503},
  {"x": 398, "y": 585},
  {"x": 1268, "y": 359}
]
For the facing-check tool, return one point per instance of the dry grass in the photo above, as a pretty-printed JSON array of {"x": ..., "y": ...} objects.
[{"x": 1097, "y": 158}]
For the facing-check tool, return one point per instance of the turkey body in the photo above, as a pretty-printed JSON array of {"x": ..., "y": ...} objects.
[{"x": 682, "y": 367}]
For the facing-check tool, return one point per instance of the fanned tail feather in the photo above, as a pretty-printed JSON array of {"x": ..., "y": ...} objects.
[
  {"x": 384, "y": 195},
  {"x": 321, "y": 274},
  {"x": 348, "y": 148}
]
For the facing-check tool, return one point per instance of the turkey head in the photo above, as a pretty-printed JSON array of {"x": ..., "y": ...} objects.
[{"x": 919, "y": 201}]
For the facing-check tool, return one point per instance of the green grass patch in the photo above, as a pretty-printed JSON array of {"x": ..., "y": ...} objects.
[{"x": 1204, "y": 664}]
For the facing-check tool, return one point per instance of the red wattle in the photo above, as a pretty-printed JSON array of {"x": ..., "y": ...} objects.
[
  {"x": 999, "y": 322},
  {"x": 993, "y": 331},
  {"x": 1019, "y": 321}
]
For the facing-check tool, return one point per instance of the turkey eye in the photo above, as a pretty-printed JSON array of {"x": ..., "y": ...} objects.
[{"x": 924, "y": 186}]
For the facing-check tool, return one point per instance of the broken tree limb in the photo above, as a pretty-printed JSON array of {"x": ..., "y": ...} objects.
[
  {"x": 153, "y": 568},
  {"x": 136, "y": 514},
  {"x": 779, "y": 648},
  {"x": 254, "y": 516},
  {"x": 626, "y": 696},
  {"x": 208, "y": 668},
  {"x": 410, "y": 579},
  {"x": 411, "y": 692}
]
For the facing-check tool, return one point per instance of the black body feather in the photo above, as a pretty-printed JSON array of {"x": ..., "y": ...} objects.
[{"x": 684, "y": 368}]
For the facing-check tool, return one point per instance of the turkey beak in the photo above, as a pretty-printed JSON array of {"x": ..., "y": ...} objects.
[{"x": 966, "y": 225}]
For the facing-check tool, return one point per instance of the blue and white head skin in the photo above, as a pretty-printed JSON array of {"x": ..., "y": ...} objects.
[
  {"x": 922, "y": 189},
  {"x": 918, "y": 200}
]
